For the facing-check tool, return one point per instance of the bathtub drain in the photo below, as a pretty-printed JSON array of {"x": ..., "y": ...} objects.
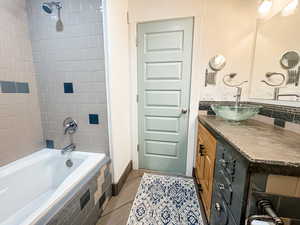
[{"x": 69, "y": 163}]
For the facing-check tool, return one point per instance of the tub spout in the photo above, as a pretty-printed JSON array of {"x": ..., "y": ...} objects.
[{"x": 69, "y": 148}]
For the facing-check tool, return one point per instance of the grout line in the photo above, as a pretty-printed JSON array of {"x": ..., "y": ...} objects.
[{"x": 124, "y": 204}]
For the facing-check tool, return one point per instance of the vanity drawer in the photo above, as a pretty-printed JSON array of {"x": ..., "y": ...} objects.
[
  {"x": 231, "y": 178},
  {"x": 233, "y": 165},
  {"x": 221, "y": 213},
  {"x": 223, "y": 185}
]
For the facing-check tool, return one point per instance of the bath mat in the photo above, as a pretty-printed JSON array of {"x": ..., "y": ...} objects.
[{"x": 165, "y": 200}]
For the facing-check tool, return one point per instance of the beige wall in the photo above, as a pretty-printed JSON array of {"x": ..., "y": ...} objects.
[
  {"x": 20, "y": 122},
  {"x": 118, "y": 84},
  {"x": 228, "y": 28},
  {"x": 225, "y": 27}
]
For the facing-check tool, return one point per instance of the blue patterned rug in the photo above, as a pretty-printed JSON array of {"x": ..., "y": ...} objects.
[{"x": 165, "y": 200}]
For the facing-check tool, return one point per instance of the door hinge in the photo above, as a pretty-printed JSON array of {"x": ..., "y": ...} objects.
[
  {"x": 137, "y": 98},
  {"x": 127, "y": 16},
  {"x": 137, "y": 147},
  {"x": 137, "y": 42}
]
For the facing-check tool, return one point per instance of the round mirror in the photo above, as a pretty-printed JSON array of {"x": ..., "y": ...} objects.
[
  {"x": 217, "y": 62},
  {"x": 289, "y": 59}
]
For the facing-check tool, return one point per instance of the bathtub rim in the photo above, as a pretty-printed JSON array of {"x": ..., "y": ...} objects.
[
  {"x": 52, "y": 206},
  {"x": 37, "y": 156}
]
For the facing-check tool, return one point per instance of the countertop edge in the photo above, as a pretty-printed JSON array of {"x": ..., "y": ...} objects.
[{"x": 252, "y": 161}]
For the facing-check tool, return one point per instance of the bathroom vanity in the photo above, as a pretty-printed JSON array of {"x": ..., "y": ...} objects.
[
  {"x": 204, "y": 168},
  {"x": 237, "y": 165}
]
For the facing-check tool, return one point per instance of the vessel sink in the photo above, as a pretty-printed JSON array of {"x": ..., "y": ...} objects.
[{"x": 236, "y": 113}]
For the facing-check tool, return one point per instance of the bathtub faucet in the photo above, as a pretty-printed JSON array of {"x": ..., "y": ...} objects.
[{"x": 69, "y": 148}]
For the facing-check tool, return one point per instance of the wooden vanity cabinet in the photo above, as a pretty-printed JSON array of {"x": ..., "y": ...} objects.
[{"x": 205, "y": 163}]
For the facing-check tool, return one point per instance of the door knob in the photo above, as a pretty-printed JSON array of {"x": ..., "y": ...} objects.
[{"x": 184, "y": 111}]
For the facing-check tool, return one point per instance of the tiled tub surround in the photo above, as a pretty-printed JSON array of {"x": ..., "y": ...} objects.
[
  {"x": 86, "y": 207},
  {"x": 282, "y": 116},
  {"x": 20, "y": 119},
  {"x": 52, "y": 192},
  {"x": 70, "y": 72},
  {"x": 270, "y": 158}
]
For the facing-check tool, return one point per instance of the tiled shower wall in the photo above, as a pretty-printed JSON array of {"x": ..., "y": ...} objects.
[
  {"x": 70, "y": 72},
  {"x": 20, "y": 122}
]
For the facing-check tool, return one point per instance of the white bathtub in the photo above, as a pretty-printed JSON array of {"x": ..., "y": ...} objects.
[{"x": 34, "y": 188}]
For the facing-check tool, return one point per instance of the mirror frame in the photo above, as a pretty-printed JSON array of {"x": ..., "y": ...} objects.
[
  {"x": 213, "y": 65},
  {"x": 286, "y": 54}
]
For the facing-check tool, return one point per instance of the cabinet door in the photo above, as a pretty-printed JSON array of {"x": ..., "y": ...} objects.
[{"x": 205, "y": 162}]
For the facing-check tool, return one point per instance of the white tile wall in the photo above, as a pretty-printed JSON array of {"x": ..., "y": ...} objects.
[
  {"x": 75, "y": 55},
  {"x": 20, "y": 122}
]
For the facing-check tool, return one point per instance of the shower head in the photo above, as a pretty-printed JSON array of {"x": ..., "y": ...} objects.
[{"x": 48, "y": 6}]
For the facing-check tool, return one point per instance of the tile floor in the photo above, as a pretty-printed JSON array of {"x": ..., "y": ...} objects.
[{"x": 118, "y": 207}]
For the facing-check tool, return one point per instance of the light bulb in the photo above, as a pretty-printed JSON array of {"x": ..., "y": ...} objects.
[
  {"x": 290, "y": 8},
  {"x": 265, "y": 7}
]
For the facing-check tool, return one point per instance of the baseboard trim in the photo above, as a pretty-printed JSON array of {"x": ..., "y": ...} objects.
[
  {"x": 205, "y": 220},
  {"x": 116, "y": 188}
]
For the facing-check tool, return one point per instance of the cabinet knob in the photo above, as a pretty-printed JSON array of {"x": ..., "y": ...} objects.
[
  {"x": 223, "y": 163},
  {"x": 218, "y": 208},
  {"x": 221, "y": 186},
  {"x": 199, "y": 187},
  {"x": 201, "y": 150}
]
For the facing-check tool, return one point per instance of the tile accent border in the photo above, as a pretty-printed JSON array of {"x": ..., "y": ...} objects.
[
  {"x": 13, "y": 87},
  {"x": 116, "y": 188},
  {"x": 281, "y": 114}
]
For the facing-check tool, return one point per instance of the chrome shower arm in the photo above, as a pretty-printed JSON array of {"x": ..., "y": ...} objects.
[{"x": 57, "y": 4}]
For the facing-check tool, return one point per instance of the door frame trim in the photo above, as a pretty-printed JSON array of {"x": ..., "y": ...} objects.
[
  {"x": 196, "y": 85},
  {"x": 189, "y": 94}
]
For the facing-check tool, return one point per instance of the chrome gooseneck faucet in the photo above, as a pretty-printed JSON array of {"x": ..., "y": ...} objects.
[
  {"x": 237, "y": 86},
  {"x": 277, "y": 95}
]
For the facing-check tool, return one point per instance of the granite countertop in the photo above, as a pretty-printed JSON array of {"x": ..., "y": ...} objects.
[{"x": 257, "y": 141}]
